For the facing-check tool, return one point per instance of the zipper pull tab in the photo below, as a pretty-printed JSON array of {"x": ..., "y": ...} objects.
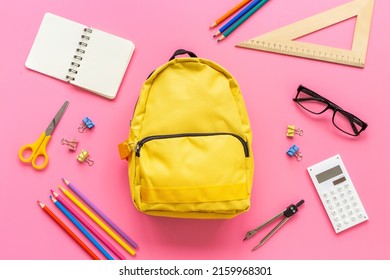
[{"x": 137, "y": 149}]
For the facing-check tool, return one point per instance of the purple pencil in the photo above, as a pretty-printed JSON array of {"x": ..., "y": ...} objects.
[
  {"x": 87, "y": 225},
  {"x": 100, "y": 213}
]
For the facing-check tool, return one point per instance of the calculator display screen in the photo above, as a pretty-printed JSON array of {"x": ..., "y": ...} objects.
[{"x": 329, "y": 174}]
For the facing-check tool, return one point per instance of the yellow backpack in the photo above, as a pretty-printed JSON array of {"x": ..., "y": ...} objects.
[{"x": 189, "y": 147}]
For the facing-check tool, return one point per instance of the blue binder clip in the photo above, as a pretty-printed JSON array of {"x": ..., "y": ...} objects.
[
  {"x": 87, "y": 123},
  {"x": 294, "y": 151}
]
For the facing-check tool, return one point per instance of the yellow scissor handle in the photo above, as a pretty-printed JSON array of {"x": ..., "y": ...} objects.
[{"x": 36, "y": 149}]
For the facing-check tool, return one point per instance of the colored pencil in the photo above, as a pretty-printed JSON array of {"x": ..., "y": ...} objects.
[
  {"x": 100, "y": 213},
  {"x": 87, "y": 225},
  {"x": 237, "y": 17},
  {"x": 97, "y": 220},
  {"x": 68, "y": 231},
  {"x": 81, "y": 228},
  {"x": 241, "y": 20},
  {"x": 230, "y": 12}
]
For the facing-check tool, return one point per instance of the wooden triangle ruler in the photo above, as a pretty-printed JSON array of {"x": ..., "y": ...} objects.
[{"x": 282, "y": 40}]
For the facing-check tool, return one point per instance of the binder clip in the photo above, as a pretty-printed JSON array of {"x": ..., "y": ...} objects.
[
  {"x": 291, "y": 130},
  {"x": 83, "y": 157},
  {"x": 87, "y": 123},
  {"x": 294, "y": 151},
  {"x": 291, "y": 210},
  {"x": 72, "y": 143}
]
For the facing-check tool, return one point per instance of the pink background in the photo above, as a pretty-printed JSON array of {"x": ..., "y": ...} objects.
[{"x": 268, "y": 82}]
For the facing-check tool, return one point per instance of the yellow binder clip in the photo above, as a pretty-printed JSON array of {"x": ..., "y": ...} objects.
[
  {"x": 291, "y": 130},
  {"x": 84, "y": 157}
]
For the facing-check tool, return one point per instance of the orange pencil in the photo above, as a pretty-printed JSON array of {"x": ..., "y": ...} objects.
[
  {"x": 229, "y": 13},
  {"x": 68, "y": 231}
]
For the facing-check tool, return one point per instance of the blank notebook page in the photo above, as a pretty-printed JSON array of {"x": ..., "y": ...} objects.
[
  {"x": 54, "y": 46},
  {"x": 104, "y": 63}
]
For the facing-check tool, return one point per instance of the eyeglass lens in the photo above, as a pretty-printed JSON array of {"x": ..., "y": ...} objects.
[{"x": 347, "y": 122}]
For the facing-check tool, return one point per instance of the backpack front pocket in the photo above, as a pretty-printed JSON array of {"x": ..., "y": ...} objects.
[{"x": 191, "y": 168}]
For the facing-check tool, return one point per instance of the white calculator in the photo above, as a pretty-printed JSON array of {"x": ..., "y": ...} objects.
[{"x": 337, "y": 193}]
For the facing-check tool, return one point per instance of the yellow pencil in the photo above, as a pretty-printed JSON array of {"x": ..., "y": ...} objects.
[{"x": 97, "y": 220}]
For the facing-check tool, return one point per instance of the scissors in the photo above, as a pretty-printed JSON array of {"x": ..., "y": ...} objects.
[{"x": 38, "y": 148}]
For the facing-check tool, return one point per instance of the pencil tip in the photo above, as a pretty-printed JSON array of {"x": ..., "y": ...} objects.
[
  {"x": 41, "y": 204},
  {"x": 221, "y": 38},
  {"x": 66, "y": 181}
]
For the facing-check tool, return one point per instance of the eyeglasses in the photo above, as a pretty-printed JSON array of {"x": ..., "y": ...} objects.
[{"x": 316, "y": 104}]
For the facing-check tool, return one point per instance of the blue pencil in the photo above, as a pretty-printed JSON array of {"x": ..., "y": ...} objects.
[
  {"x": 237, "y": 17},
  {"x": 81, "y": 228}
]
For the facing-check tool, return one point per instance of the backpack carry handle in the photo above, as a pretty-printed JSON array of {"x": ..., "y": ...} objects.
[{"x": 180, "y": 52}]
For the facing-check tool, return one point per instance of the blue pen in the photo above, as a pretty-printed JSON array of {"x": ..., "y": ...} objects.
[
  {"x": 237, "y": 17},
  {"x": 81, "y": 228}
]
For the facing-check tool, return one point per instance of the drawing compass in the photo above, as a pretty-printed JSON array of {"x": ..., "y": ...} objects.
[{"x": 286, "y": 214}]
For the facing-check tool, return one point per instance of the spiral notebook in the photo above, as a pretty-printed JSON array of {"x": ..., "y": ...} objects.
[{"x": 83, "y": 56}]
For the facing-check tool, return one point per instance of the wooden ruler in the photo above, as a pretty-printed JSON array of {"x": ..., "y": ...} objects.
[{"x": 282, "y": 40}]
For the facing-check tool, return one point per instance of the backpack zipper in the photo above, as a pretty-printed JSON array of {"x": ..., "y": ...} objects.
[{"x": 156, "y": 137}]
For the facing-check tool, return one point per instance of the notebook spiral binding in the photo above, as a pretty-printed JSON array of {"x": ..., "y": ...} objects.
[{"x": 78, "y": 56}]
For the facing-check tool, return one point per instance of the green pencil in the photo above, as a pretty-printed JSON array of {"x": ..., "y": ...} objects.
[{"x": 241, "y": 20}]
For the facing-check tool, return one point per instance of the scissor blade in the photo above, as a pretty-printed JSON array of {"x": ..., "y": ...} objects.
[{"x": 56, "y": 119}]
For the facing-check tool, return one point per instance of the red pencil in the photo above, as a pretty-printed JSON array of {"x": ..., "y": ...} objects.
[{"x": 68, "y": 231}]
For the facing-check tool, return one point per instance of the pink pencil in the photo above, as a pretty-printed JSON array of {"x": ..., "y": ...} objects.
[{"x": 87, "y": 225}]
